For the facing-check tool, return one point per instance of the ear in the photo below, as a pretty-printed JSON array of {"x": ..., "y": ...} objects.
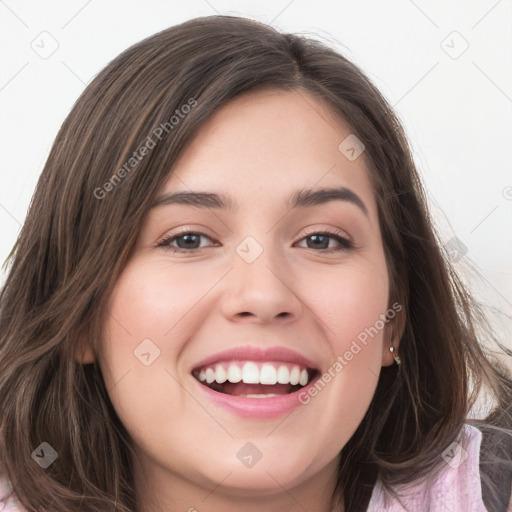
[
  {"x": 392, "y": 333},
  {"x": 84, "y": 352}
]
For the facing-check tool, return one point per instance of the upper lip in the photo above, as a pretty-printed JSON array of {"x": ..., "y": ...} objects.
[{"x": 251, "y": 353}]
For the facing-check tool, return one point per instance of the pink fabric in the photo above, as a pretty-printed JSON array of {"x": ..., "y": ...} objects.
[
  {"x": 456, "y": 489},
  {"x": 11, "y": 505}
]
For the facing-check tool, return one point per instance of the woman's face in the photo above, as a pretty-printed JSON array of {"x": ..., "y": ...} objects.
[{"x": 252, "y": 294}]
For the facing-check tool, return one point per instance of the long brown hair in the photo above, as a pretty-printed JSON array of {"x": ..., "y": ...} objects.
[{"x": 85, "y": 217}]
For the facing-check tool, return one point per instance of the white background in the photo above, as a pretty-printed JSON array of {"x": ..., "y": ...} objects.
[{"x": 457, "y": 112}]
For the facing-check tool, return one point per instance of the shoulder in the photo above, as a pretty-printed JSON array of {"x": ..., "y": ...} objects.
[
  {"x": 456, "y": 487},
  {"x": 7, "y": 505}
]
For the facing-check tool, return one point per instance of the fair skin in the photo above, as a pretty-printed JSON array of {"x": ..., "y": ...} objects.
[{"x": 258, "y": 150}]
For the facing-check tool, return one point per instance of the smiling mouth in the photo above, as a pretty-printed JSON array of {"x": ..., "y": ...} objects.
[{"x": 255, "y": 379}]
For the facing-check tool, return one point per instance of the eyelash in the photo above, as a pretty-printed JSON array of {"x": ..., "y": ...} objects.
[{"x": 345, "y": 243}]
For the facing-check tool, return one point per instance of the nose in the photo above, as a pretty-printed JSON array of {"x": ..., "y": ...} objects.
[{"x": 261, "y": 291}]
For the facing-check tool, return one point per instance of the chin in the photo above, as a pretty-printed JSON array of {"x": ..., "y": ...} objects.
[{"x": 267, "y": 476}]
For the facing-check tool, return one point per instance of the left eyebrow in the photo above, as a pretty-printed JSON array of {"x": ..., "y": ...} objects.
[
  {"x": 302, "y": 198},
  {"x": 308, "y": 197}
]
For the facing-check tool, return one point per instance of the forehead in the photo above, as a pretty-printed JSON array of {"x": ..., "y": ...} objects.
[{"x": 268, "y": 143}]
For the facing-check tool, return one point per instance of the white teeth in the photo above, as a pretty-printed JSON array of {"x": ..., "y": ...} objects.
[
  {"x": 210, "y": 375},
  {"x": 234, "y": 373},
  {"x": 269, "y": 374},
  {"x": 295, "y": 375},
  {"x": 250, "y": 373},
  {"x": 221, "y": 375},
  {"x": 283, "y": 375}
]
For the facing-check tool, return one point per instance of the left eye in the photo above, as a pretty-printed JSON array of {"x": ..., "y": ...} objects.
[
  {"x": 188, "y": 242},
  {"x": 320, "y": 239}
]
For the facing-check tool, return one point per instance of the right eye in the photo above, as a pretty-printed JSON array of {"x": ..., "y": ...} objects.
[{"x": 186, "y": 241}]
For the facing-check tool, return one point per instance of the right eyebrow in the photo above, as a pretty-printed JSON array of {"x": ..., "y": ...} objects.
[{"x": 197, "y": 199}]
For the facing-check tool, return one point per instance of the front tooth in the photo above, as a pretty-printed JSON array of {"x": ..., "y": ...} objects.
[
  {"x": 250, "y": 374},
  {"x": 221, "y": 375},
  {"x": 234, "y": 373},
  {"x": 210, "y": 375},
  {"x": 268, "y": 374},
  {"x": 283, "y": 375},
  {"x": 295, "y": 376},
  {"x": 303, "y": 380}
]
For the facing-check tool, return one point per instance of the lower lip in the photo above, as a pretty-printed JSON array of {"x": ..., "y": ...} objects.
[{"x": 259, "y": 408}]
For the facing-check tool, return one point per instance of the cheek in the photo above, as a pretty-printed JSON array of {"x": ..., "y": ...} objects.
[
  {"x": 150, "y": 303},
  {"x": 348, "y": 302},
  {"x": 144, "y": 332}
]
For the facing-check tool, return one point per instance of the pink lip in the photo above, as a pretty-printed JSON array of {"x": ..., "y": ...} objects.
[
  {"x": 280, "y": 354},
  {"x": 257, "y": 408}
]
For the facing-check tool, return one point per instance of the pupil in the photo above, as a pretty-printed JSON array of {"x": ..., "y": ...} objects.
[
  {"x": 316, "y": 237},
  {"x": 187, "y": 238}
]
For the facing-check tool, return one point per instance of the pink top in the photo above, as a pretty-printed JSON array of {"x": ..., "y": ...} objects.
[
  {"x": 457, "y": 488},
  {"x": 10, "y": 506}
]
